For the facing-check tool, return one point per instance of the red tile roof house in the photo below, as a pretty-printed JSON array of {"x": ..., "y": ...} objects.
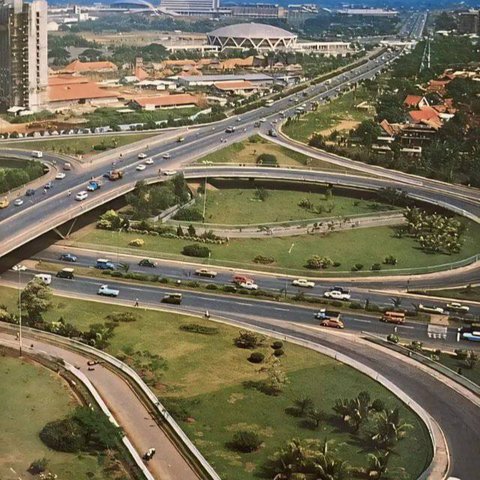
[
  {"x": 415, "y": 101},
  {"x": 165, "y": 101},
  {"x": 81, "y": 67},
  {"x": 242, "y": 87},
  {"x": 426, "y": 115}
]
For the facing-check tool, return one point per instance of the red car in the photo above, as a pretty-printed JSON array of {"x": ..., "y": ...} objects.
[{"x": 332, "y": 323}]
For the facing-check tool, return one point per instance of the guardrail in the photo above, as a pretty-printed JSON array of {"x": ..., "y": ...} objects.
[
  {"x": 419, "y": 357},
  {"x": 136, "y": 379}
]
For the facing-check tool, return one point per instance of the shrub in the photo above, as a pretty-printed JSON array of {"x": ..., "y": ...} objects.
[
  {"x": 378, "y": 405},
  {"x": 316, "y": 262},
  {"x": 267, "y": 159},
  {"x": 277, "y": 344},
  {"x": 122, "y": 317},
  {"x": 63, "y": 435},
  {"x": 38, "y": 466},
  {"x": 376, "y": 266},
  {"x": 246, "y": 441},
  {"x": 461, "y": 354},
  {"x": 357, "y": 267},
  {"x": 390, "y": 260},
  {"x": 247, "y": 339},
  {"x": 202, "y": 329},
  {"x": 393, "y": 338},
  {"x": 279, "y": 352},
  {"x": 263, "y": 260},
  {"x": 189, "y": 214},
  {"x": 256, "y": 357},
  {"x": 211, "y": 286},
  {"x": 196, "y": 250},
  {"x": 229, "y": 288},
  {"x": 137, "y": 242},
  {"x": 355, "y": 305}
]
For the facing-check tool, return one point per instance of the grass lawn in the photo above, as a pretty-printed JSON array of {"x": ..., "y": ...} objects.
[
  {"x": 248, "y": 151},
  {"x": 472, "y": 374},
  {"x": 206, "y": 375},
  {"x": 32, "y": 396},
  {"x": 79, "y": 145},
  {"x": 468, "y": 293},
  {"x": 337, "y": 113},
  {"x": 241, "y": 206},
  {"x": 366, "y": 246}
]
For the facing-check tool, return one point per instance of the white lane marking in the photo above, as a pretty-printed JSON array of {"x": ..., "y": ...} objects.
[
  {"x": 360, "y": 320},
  {"x": 406, "y": 326},
  {"x": 281, "y": 309},
  {"x": 246, "y": 304}
]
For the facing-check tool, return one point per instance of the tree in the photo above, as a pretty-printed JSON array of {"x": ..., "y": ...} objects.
[
  {"x": 367, "y": 132},
  {"x": 191, "y": 231},
  {"x": 110, "y": 220},
  {"x": 267, "y": 160},
  {"x": 316, "y": 262},
  {"x": 317, "y": 416},
  {"x": 180, "y": 231},
  {"x": 388, "y": 430},
  {"x": 353, "y": 411},
  {"x": 36, "y": 299},
  {"x": 304, "y": 405}
]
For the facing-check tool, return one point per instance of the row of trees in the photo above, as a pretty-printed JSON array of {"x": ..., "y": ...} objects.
[{"x": 11, "y": 178}]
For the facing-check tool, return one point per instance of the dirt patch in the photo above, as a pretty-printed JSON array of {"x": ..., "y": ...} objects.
[{"x": 339, "y": 127}]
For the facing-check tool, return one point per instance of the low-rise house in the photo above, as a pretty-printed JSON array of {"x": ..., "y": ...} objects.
[
  {"x": 241, "y": 87},
  {"x": 90, "y": 67},
  {"x": 165, "y": 101},
  {"x": 415, "y": 101}
]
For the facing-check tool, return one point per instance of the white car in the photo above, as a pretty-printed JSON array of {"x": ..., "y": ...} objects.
[
  {"x": 166, "y": 156},
  {"x": 248, "y": 286},
  {"x": 303, "y": 282},
  {"x": 106, "y": 291},
  {"x": 430, "y": 309},
  {"x": 337, "y": 295},
  {"x": 18, "y": 202},
  {"x": 80, "y": 196},
  {"x": 169, "y": 172},
  {"x": 19, "y": 268},
  {"x": 141, "y": 167},
  {"x": 60, "y": 176},
  {"x": 141, "y": 156},
  {"x": 149, "y": 161},
  {"x": 457, "y": 307}
]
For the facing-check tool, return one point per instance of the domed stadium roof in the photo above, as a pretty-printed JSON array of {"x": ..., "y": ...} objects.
[
  {"x": 252, "y": 30},
  {"x": 252, "y": 35}
]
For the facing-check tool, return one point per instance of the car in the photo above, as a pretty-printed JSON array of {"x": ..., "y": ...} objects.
[
  {"x": 80, "y": 196},
  {"x": 149, "y": 161},
  {"x": 67, "y": 166},
  {"x": 147, "y": 263},
  {"x": 332, "y": 323},
  {"x": 141, "y": 156},
  {"x": 172, "y": 298},
  {"x": 230, "y": 129},
  {"x": 48, "y": 186},
  {"x": 107, "y": 291},
  {"x": 45, "y": 278},
  {"x": 263, "y": 120},
  {"x": 166, "y": 156},
  {"x": 60, "y": 176},
  {"x": 104, "y": 264},
  {"x": 65, "y": 273},
  {"x": 303, "y": 282},
  {"x": 457, "y": 307},
  {"x": 169, "y": 172},
  {"x": 203, "y": 272},
  {"x": 93, "y": 185},
  {"x": 241, "y": 279},
  {"x": 248, "y": 286},
  {"x": 257, "y": 124},
  {"x": 180, "y": 139},
  {"x": 68, "y": 257},
  {"x": 141, "y": 167},
  {"x": 336, "y": 295},
  {"x": 30, "y": 192},
  {"x": 19, "y": 268},
  {"x": 37, "y": 154},
  {"x": 18, "y": 202},
  {"x": 339, "y": 289},
  {"x": 430, "y": 309}
]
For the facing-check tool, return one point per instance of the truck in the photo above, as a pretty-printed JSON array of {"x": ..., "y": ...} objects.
[
  {"x": 203, "y": 272},
  {"x": 93, "y": 185},
  {"x": 107, "y": 291},
  {"x": 115, "y": 175}
]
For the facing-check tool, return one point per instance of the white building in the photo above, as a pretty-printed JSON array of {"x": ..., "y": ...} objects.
[
  {"x": 23, "y": 54},
  {"x": 190, "y": 7}
]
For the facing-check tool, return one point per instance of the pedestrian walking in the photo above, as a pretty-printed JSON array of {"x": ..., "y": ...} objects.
[{"x": 136, "y": 302}]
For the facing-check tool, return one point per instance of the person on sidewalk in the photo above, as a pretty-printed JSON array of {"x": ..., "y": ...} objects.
[{"x": 136, "y": 302}]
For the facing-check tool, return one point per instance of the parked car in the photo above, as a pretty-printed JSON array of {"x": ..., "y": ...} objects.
[
  {"x": 303, "y": 282},
  {"x": 146, "y": 263},
  {"x": 107, "y": 291},
  {"x": 68, "y": 257},
  {"x": 336, "y": 295},
  {"x": 203, "y": 272}
]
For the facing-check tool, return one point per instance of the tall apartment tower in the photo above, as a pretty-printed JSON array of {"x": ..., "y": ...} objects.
[
  {"x": 23, "y": 54},
  {"x": 191, "y": 7}
]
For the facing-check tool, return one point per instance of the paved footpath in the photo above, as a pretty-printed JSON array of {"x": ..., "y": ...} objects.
[{"x": 128, "y": 411}]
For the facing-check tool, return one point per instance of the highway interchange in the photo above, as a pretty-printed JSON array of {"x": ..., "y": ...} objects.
[{"x": 457, "y": 416}]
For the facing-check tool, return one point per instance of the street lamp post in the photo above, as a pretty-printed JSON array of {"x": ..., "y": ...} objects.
[{"x": 20, "y": 313}]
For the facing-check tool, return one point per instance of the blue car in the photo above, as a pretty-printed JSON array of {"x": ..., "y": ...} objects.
[
  {"x": 68, "y": 257},
  {"x": 103, "y": 264}
]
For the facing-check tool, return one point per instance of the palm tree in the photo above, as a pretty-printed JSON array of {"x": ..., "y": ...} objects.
[
  {"x": 316, "y": 416},
  {"x": 304, "y": 405},
  {"x": 289, "y": 460},
  {"x": 389, "y": 430},
  {"x": 353, "y": 411},
  {"x": 377, "y": 465},
  {"x": 328, "y": 466}
]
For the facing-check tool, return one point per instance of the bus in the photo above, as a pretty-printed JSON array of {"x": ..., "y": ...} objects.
[
  {"x": 471, "y": 333},
  {"x": 393, "y": 317}
]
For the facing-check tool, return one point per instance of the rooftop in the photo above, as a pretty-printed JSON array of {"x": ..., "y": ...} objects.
[
  {"x": 251, "y": 30},
  {"x": 77, "y": 91},
  {"x": 167, "y": 100}
]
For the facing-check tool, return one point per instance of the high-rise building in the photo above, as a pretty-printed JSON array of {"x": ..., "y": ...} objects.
[
  {"x": 23, "y": 53},
  {"x": 191, "y": 7},
  {"x": 469, "y": 22}
]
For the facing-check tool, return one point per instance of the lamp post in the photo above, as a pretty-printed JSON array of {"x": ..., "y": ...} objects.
[{"x": 20, "y": 312}]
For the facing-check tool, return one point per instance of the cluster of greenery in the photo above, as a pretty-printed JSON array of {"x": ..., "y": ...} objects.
[
  {"x": 376, "y": 428},
  {"x": 35, "y": 117},
  {"x": 85, "y": 430},
  {"x": 146, "y": 201},
  {"x": 434, "y": 232},
  {"x": 58, "y": 45},
  {"x": 11, "y": 178},
  {"x": 345, "y": 26},
  {"x": 128, "y": 53}
]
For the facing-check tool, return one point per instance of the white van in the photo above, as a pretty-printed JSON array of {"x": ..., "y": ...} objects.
[
  {"x": 44, "y": 277},
  {"x": 37, "y": 154}
]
